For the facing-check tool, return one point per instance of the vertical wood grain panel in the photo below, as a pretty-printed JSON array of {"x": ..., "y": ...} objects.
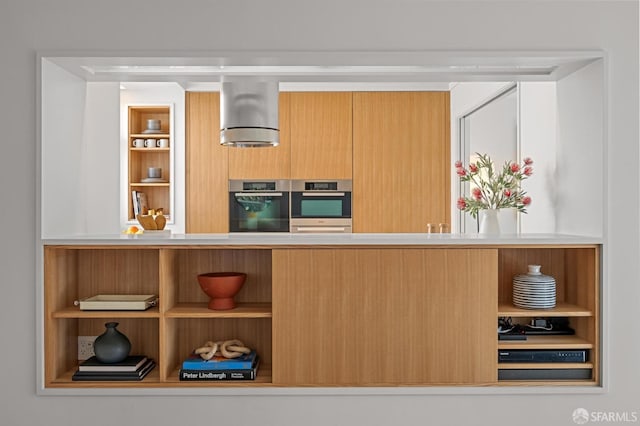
[
  {"x": 60, "y": 290},
  {"x": 117, "y": 271},
  {"x": 167, "y": 299},
  {"x": 583, "y": 276},
  {"x": 401, "y": 161},
  {"x": 268, "y": 162},
  {"x": 207, "y": 190},
  {"x": 321, "y": 135},
  {"x": 384, "y": 316}
]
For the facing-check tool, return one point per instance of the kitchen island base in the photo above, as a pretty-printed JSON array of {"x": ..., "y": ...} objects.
[{"x": 369, "y": 315}]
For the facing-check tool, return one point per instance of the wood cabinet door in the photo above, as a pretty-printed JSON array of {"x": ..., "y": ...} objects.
[
  {"x": 206, "y": 186},
  {"x": 321, "y": 135},
  {"x": 371, "y": 317},
  {"x": 401, "y": 161},
  {"x": 267, "y": 162}
]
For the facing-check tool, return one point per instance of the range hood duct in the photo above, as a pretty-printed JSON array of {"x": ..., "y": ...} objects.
[{"x": 249, "y": 113}]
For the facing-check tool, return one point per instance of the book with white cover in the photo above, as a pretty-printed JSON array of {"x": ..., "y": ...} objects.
[{"x": 132, "y": 302}]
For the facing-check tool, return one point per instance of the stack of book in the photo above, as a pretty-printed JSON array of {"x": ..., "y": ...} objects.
[
  {"x": 134, "y": 367},
  {"x": 244, "y": 367}
]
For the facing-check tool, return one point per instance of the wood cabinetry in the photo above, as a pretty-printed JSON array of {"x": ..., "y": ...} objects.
[
  {"x": 385, "y": 316},
  {"x": 394, "y": 146},
  {"x": 321, "y": 135},
  {"x": 207, "y": 162},
  {"x": 269, "y": 162},
  {"x": 401, "y": 161},
  {"x": 144, "y": 151},
  {"x": 326, "y": 315}
]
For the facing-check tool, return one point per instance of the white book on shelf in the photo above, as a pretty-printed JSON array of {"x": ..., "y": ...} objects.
[{"x": 135, "y": 203}]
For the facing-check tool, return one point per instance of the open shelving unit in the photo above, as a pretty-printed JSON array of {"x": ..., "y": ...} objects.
[
  {"x": 576, "y": 270},
  {"x": 159, "y": 194},
  {"x": 169, "y": 332}
]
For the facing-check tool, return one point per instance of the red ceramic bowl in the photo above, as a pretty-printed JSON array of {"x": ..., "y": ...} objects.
[{"x": 221, "y": 287}]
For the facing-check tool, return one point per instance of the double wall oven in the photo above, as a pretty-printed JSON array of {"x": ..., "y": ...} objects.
[{"x": 298, "y": 206}]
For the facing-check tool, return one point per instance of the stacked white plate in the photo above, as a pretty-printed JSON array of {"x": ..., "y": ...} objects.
[{"x": 534, "y": 290}]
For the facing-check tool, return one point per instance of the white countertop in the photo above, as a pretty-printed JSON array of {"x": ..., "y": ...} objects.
[{"x": 286, "y": 239}]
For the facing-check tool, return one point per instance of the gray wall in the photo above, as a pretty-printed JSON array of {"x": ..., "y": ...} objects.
[{"x": 30, "y": 25}]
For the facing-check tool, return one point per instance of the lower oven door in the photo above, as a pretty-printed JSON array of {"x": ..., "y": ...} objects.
[
  {"x": 321, "y": 205},
  {"x": 258, "y": 212}
]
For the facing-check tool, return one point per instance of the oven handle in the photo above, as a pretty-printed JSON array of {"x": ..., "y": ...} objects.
[
  {"x": 320, "y": 229},
  {"x": 323, "y": 194},
  {"x": 258, "y": 194}
]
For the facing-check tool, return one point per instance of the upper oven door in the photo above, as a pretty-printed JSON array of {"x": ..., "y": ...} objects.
[{"x": 258, "y": 206}]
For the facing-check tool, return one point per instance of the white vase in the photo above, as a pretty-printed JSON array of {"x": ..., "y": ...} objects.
[{"x": 489, "y": 222}]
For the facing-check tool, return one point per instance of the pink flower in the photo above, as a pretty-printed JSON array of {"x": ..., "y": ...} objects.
[
  {"x": 462, "y": 204},
  {"x": 515, "y": 167},
  {"x": 528, "y": 161},
  {"x": 526, "y": 200},
  {"x": 458, "y": 164},
  {"x": 507, "y": 193},
  {"x": 477, "y": 193},
  {"x": 461, "y": 172},
  {"x": 528, "y": 171},
  {"x": 473, "y": 168}
]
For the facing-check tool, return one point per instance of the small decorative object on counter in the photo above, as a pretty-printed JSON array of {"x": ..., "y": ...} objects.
[
  {"x": 534, "y": 290},
  {"x": 111, "y": 346},
  {"x": 228, "y": 349},
  {"x": 154, "y": 221},
  {"x": 437, "y": 228},
  {"x": 492, "y": 190},
  {"x": 489, "y": 223},
  {"x": 222, "y": 287}
]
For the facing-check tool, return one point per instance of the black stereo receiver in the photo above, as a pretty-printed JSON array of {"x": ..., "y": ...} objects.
[{"x": 542, "y": 355}]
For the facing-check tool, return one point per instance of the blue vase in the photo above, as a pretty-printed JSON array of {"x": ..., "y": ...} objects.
[{"x": 111, "y": 346}]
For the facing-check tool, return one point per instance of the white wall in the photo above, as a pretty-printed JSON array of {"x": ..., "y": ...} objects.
[
  {"x": 538, "y": 141},
  {"x": 63, "y": 105},
  {"x": 579, "y": 176},
  {"x": 150, "y": 94},
  {"x": 26, "y": 27},
  {"x": 79, "y": 139},
  {"x": 100, "y": 161}
]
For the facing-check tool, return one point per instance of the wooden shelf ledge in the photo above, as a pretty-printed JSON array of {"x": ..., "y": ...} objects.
[
  {"x": 150, "y": 135},
  {"x": 160, "y": 184},
  {"x": 543, "y": 365},
  {"x": 546, "y": 342},
  {"x": 200, "y": 310},
  {"x": 561, "y": 310},
  {"x": 75, "y": 312}
]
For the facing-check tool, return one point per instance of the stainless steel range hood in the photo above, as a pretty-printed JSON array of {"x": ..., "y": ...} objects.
[{"x": 249, "y": 113}]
